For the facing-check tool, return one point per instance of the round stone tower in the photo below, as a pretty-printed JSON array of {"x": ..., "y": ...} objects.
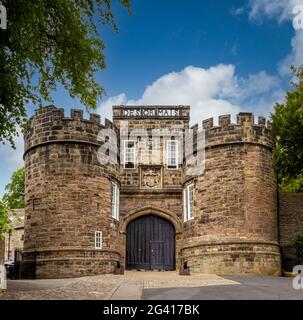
[
  {"x": 234, "y": 229},
  {"x": 68, "y": 198}
]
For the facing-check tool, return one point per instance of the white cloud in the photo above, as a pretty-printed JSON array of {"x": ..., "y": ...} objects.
[
  {"x": 274, "y": 9},
  {"x": 281, "y": 10},
  {"x": 105, "y": 108},
  {"x": 237, "y": 11},
  {"x": 210, "y": 92},
  {"x": 191, "y": 84},
  {"x": 260, "y": 82},
  {"x": 295, "y": 57},
  {"x": 218, "y": 90}
]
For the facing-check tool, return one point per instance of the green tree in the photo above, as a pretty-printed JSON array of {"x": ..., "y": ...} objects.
[
  {"x": 287, "y": 130},
  {"x": 14, "y": 197},
  {"x": 5, "y": 221},
  {"x": 49, "y": 42}
]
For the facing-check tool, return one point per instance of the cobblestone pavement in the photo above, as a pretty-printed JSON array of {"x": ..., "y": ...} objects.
[
  {"x": 104, "y": 286},
  {"x": 86, "y": 288}
]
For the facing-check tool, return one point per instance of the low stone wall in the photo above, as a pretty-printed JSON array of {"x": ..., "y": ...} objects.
[
  {"x": 291, "y": 225},
  {"x": 290, "y": 217},
  {"x": 68, "y": 263},
  {"x": 237, "y": 257}
]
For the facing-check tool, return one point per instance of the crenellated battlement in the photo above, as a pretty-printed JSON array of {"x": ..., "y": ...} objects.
[
  {"x": 50, "y": 124},
  {"x": 245, "y": 130},
  {"x": 243, "y": 118},
  {"x": 75, "y": 114}
]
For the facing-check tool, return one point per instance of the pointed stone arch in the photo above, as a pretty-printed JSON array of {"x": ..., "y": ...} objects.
[{"x": 151, "y": 210}]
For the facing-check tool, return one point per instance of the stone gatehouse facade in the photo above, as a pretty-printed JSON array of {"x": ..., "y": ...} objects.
[{"x": 147, "y": 208}]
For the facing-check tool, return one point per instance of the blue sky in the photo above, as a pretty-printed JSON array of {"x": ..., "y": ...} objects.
[{"x": 218, "y": 56}]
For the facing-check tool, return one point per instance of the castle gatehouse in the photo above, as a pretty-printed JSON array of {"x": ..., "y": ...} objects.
[{"x": 147, "y": 191}]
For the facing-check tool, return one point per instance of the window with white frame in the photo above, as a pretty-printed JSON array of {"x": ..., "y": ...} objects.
[
  {"x": 129, "y": 154},
  {"x": 172, "y": 154},
  {"x": 115, "y": 200},
  {"x": 98, "y": 239},
  {"x": 188, "y": 202}
]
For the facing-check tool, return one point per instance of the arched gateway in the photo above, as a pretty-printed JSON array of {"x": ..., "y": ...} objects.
[{"x": 150, "y": 244}]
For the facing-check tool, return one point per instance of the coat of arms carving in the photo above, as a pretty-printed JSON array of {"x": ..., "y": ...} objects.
[{"x": 151, "y": 178}]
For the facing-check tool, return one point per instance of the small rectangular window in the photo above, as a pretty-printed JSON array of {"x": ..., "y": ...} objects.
[
  {"x": 98, "y": 239},
  {"x": 185, "y": 204},
  {"x": 129, "y": 154},
  {"x": 115, "y": 200},
  {"x": 172, "y": 154},
  {"x": 188, "y": 202}
]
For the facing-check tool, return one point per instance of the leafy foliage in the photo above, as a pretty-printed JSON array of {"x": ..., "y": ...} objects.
[
  {"x": 4, "y": 219},
  {"x": 14, "y": 197},
  {"x": 46, "y": 43},
  {"x": 299, "y": 239},
  {"x": 287, "y": 130}
]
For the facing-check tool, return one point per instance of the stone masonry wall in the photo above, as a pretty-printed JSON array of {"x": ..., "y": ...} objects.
[
  {"x": 290, "y": 217},
  {"x": 145, "y": 129},
  {"x": 167, "y": 194},
  {"x": 68, "y": 198},
  {"x": 14, "y": 239},
  {"x": 235, "y": 225},
  {"x": 291, "y": 225}
]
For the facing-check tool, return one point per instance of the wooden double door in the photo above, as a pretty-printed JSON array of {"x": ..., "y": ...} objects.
[{"x": 150, "y": 244}]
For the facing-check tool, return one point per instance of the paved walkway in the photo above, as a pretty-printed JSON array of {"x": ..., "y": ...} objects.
[
  {"x": 35, "y": 285},
  {"x": 86, "y": 288},
  {"x": 128, "y": 290},
  {"x": 103, "y": 287},
  {"x": 248, "y": 288},
  {"x": 168, "y": 279},
  {"x": 154, "y": 285}
]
